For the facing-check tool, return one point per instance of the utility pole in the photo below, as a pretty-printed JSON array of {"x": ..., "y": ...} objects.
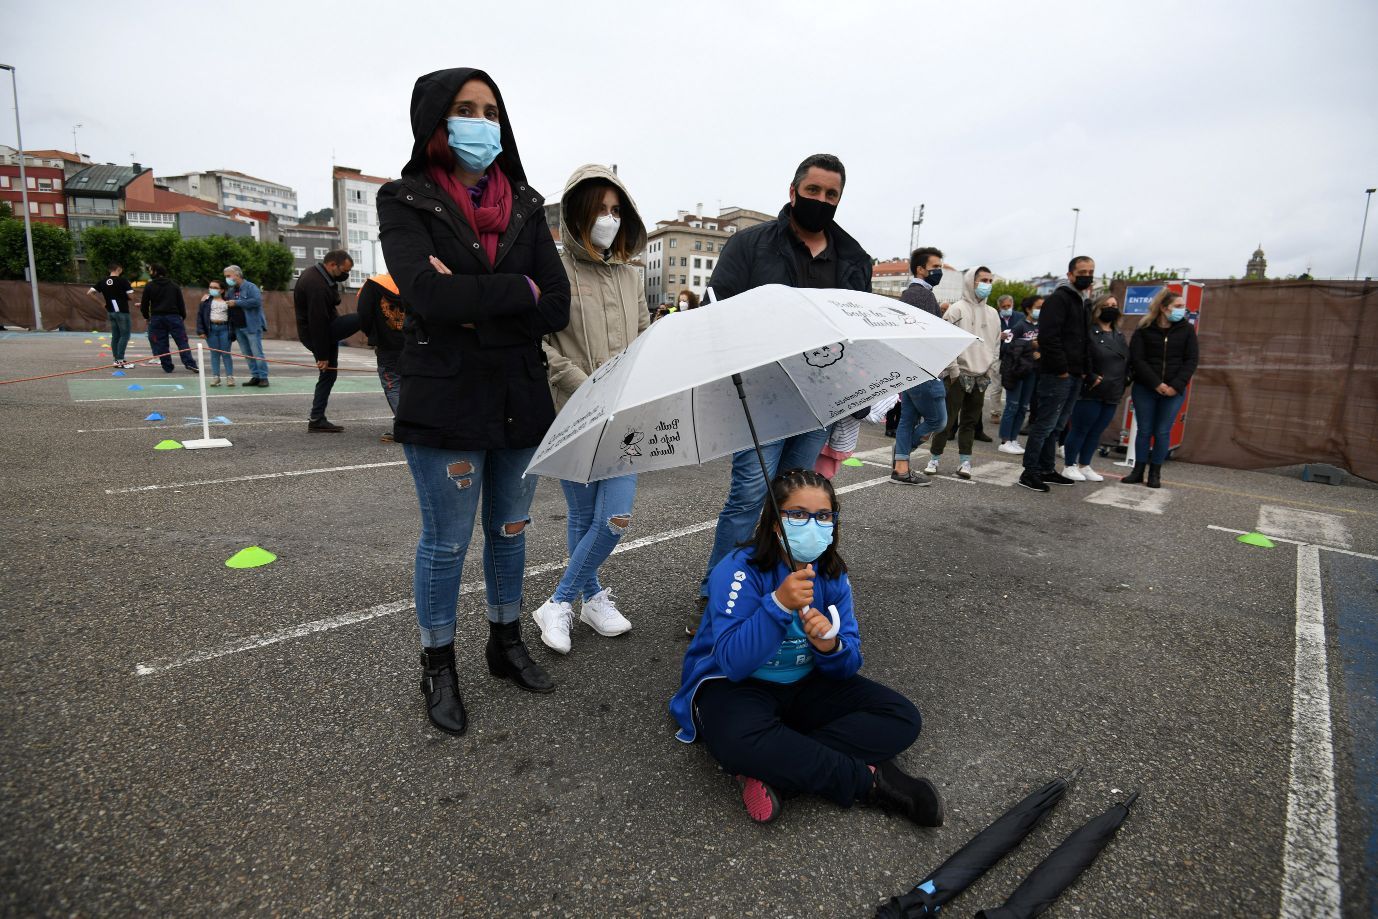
[
  {"x": 1368, "y": 197},
  {"x": 24, "y": 198},
  {"x": 915, "y": 224},
  {"x": 1076, "y": 221}
]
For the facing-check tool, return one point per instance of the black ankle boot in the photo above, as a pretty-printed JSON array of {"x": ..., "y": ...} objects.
[
  {"x": 1154, "y": 475},
  {"x": 1136, "y": 475},
  {"x": 440, "y": 686},
  {"x": 896, "y": 792},
  {"x": 508, "y": 660}
]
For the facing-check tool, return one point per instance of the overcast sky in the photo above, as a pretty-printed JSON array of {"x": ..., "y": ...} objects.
[{"x": 1187, "y": 132}]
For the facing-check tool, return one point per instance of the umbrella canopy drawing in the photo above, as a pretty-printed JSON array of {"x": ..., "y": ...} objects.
[
  {"x": 1063, "y": 866},
  {"x": 768, "y": 363},
  {"x": 978, "y": 856}
]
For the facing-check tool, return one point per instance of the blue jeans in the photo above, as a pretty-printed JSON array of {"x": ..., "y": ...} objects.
[
  {"x": 1156, "y": 414},
  {"x": 1056, "y": 398},
  {"x": 220, "y": 337},
  {"x": 923, "y": 410},
  {"x": 251, "y": 345},
  {"x": 450, "y": 484},
  {"x": 592, "y": 533},
  {"x": 160, "y": 329},
  {"x": 119, "y": 334},
  {"x": 1016, "y": 407},
  {"x": 1089, "y": 419},
  {"x": 392, "y": 385},
  {"x": 739, "y": 515}
]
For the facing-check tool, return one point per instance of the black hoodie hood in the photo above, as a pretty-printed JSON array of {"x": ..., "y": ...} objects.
[{"x": 430, "y": 100}]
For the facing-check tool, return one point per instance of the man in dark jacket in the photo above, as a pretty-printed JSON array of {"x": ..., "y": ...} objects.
[
  {"x": 923, "y": 408},
  {"x": 320, "y": 327},
  {"x": 1064, "y": 335},
  {"x": 162, "y": 305},
  {"x": 803, "y": 247}
]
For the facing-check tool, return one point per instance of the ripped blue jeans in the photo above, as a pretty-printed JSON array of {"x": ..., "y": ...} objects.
[
  {"x": 452, "y": 488},
  {"x": 595, "y": 511}
]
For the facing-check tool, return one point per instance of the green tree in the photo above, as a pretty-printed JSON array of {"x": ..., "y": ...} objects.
[
  {"x": 160, "y": 249},
  {"x": 105, "y": 245},
  {"x": 322, "y": 217},
  {"x": 1016, "y": 289},
  {"x": 52, "y": 251},
  {"x": 194, "y": 263},
  {"x": 277, "y": 266},
  {"x": 1152, "y": 274}
]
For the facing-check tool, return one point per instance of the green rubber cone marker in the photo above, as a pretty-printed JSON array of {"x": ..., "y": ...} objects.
[
  {"x": 252, "y": 557},
  {"x": 852, "y": 461},
  {"x": 1256, "y": 539},
  {"x": 168, "y": 445}
]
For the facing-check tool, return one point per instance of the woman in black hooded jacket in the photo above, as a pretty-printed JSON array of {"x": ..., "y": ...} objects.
[
  {"x": 465, "y": 238},
  {"x": 1163, "y": 354}
]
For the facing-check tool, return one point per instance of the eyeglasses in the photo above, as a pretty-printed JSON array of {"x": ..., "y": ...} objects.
[{"x": 799, "y": 518}]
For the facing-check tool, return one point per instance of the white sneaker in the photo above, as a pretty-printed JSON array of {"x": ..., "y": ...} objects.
[
  {"x": 1073, "y": 473},
  {"x": 1090, "y": 474},
  {"x": 554, "y": 620},
  {"x": 1009, "y": 446},
  {"x": 932, "y": 467},
  {"x": 602, "y": 615},
  {"x": 1062, "y": 452},
  {"x": 964, "y": 471}
]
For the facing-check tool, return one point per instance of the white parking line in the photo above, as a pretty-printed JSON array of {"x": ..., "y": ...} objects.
[
  {"x": 252, "y": 478},
  {"x": 1297, "y": 542},
  {"x": 1310, "y": 859},
  {"x": 1145, "y": 500},
  {"x": 237, "y": 424},
  {"x": 253, "y": 642},
  {"x": 257, "y": 395},
  {"x": 1308, "y": 526}
]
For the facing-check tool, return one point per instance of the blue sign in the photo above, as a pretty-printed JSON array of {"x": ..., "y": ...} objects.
[{"x": 1137, "y": 299}]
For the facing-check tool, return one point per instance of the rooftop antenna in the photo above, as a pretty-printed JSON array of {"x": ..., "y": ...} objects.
[{"x": 915, "y": 224}]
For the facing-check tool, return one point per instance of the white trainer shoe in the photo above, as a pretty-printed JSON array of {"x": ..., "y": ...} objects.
[
  {"x": 1009, "y": 446},
  {"x": 1062, "y": 452},
  {"x": 1090, "y": 474},
  {"x": 932, "y": 467},
  {"x": 1073, "y": 473},
  {"x": 964, "y": 471},
  {"x": 602, "y": 615},
  {"x": 554, "y": 620}
]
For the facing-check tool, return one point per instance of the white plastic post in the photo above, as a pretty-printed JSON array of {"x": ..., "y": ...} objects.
[
  {"x": 1133, "y": 436},
  {"x": 206, "y": 440}
]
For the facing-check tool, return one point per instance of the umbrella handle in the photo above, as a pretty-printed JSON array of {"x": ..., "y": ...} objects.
[{"x": 837, "y": 624}]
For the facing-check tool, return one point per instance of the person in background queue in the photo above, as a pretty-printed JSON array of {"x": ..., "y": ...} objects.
[
  {"x": 381, "y": 317},
  {"x": 163, "y": 305},
  {"x": 802, "y": 247},
  {"x": 602, "y": 232},
  {"x": 1101, "y": 392},
  {"x": 1164, "y": 354},
  {"x": 248, "y": 321},
  {"x": 213, "y": 324},
  {"x": 923, "y": 408},
  {"x": 114, "y": 292},
  {"x": 1018, "y": 358},
  {"x": 321, "y": 328},
  {"x": 1063, "y": 346},
  {"x": 970, "y": 374},
  {"x": 467, "y": 243}
]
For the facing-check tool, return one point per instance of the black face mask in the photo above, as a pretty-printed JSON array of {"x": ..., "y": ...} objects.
[
  {"x": 812, "y": 214},
  {"x": 1109, "y": 315},
  {"x": 341, "y": 277},
  {"x": 1083, "y": 282}
]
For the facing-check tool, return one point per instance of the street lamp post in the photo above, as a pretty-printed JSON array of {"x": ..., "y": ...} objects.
[
  {"x": 75, "y": 148},
  {"x": 1368, "y": 196},
  {"x": 24, "y": 197},
  {"x": 1076, "y": 221}
]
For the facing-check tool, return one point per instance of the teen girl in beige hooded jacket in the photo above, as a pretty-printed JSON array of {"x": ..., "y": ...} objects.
[{"x": 601, "y": 232}]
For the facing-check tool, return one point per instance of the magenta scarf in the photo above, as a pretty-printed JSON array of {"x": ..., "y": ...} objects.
[{"x": 494, "y": 210}]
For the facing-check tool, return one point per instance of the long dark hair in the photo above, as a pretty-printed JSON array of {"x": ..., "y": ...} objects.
[{"x": 766, "y": 554}]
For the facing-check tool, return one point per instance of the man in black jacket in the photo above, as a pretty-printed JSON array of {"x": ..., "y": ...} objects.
[
  {"x": 166, "y": 311},
  {"x": 1064, "y": 336},
  {"x": 320, "y": 327},
  {"x": 803, "y": 247}
]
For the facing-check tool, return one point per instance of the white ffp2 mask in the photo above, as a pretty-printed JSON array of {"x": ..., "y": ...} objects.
[{"x": 605, "y": 231}]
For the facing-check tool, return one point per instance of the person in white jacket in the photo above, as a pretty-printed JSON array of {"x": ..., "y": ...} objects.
[
  {"x": 602, "y": 233},
  {"x": 969, "y": 376}
]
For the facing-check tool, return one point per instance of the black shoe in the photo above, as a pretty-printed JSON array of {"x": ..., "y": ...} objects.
[
  {"x": 509, "y": 660},
  {"x": 691, "y": 625},
  {"x": 1155, "y": 475},
  {"x": 909, "y": 478},
  {"x": 169, "y": 369},
  {"x": 192, "y": 368},
  {"x": 895, "y": 791},
  {"x": 252, "y": 381},
  {"x": 263, "y": 382},
  {"x": 440, "y": 686},
  {"x": 322, "y": 426},
  {"x": 1033, "y": 480},
  {"x": 1136, "y": 475},
  {"x": 983, "y": 437},
  {"x": 889, "y": 432},
  {"x": 1056, "y": 478}
]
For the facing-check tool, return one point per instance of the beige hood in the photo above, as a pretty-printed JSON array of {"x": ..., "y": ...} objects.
[
  {"x": 981, "y": 320},
  {"x": 632, "y": 224}
]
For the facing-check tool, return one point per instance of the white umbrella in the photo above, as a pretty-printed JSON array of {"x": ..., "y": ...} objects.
[{"x": 686, "y": 390}]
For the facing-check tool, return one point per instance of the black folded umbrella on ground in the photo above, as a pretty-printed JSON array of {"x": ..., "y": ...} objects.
[
  {"x": 1062, "y": 867},
  {"x": 976, "y": 857}
]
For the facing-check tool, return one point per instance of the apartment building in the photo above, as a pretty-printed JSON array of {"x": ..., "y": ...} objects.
[
  {"x": 227, "y": 189},
  {"x": 355, "y": 197},
  {"x": 45, "y": 177},
  {"x": 308, "y": 245},
  {"x": 680, "y": 253}
]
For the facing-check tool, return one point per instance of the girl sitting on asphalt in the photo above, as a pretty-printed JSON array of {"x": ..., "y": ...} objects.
[{"x": 778, "y": 704}]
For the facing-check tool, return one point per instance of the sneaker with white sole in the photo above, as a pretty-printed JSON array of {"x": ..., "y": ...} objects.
[
  {"x": 554, "y": 619},
  {"x": 762, "y": 803},
  {"x": 1090, "y": 474},
  {"x": 1009, "y": 446},
  {"x": 964, "y": 470},
  {"x": 1073, "y": 473},
  {"x": 932, "y": 467},
  {"x": 602, "y": 615}
]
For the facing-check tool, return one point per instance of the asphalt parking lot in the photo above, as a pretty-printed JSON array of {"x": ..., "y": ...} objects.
[{"x": 181, "y": 738}]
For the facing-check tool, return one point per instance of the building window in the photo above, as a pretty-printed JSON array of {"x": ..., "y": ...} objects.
[
  {"x": 712, "y": 226},
  {"x": 673, "y": 242},
  {"x": 299, "y": 252},
  {"x": 355, "y": 195},
  {"x": 684, "y": 261},
  {"x": 4, "y": 181},
  {"x": 33, "y": 206},
  {"x": 355, "y": 253},
  {"x": 60, "y": 208},
  {"x": 355, "y": 216},
  {"x": 698, "y": 263},
  {"x": 320, "y": 251},
  {"x": 731, "y": 230},
  {"x": 710, "y": 247},
  {"x": 45, "y": 209},
  {"x": 708, "y": 263},
  {"x": 698, "y": 245},
  {"x": 45, "y": 185},
  {"x": 296, "y": 273},
  {"x": 698, "y": 281}
]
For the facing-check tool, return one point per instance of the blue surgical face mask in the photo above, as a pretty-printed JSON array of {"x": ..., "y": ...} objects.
[
  {"x": 1034, "y": 315},
  {"x": 475, "y": 141},
  {"x": 214, "y": 292},
  {"x": 809, "y": 541},
  {"x": 230, "y": 282},
  {"x": 1005, "y": 314},
  {"x": 982, "y": 291},
  {"x": 1177, "y": 313}
]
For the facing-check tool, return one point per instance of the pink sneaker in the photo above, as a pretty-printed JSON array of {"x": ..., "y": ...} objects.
[{"x": 762, "y": 804}]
